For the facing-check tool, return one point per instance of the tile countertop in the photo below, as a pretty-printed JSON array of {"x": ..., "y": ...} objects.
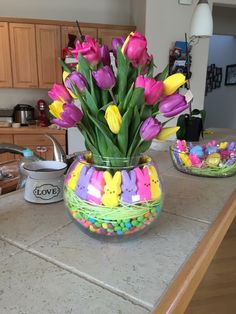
[{"x": 48, "y": 265}]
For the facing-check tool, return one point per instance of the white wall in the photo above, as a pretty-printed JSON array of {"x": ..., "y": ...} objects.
[
  {"x": 224, "y": 20},
  {"x": 138, "y": 16},
  {"x": 220, "y": 103},
  {"x": 97, "y": 11}
]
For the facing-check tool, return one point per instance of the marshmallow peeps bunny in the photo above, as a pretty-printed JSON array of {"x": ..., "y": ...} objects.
[
  {"x": 129, "y": 187},
  {"x": 143, "y": 183},
  {"x": 155, "y": 183},
  {"x": 74, "y": 177},
  {"x": 83, "y": 183},
  {"x": 96, "y": 187},
  {"x": 112, "y": 190}
]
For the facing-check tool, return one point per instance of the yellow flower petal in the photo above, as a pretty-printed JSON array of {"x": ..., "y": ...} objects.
[
  {"x": 113, "y": 118},
  {"x": 167, "y": 132},
  {"x": 173, "y": 82},
  {"x": 56, "y": 108},
  {"x": 126, "y": 42}
]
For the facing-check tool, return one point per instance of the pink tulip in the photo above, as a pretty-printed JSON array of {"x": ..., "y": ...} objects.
[
  {"x": 152, "y": 89},
  {"x": 135, "y": 49},
  {"x": 59, "y": 92},
  {"x": 89, "y": 49}
]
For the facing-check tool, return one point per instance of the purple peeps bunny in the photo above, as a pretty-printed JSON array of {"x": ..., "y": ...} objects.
[
  {"x": 129, "y": 187},
  {"x": 83, "y": 182},
  {"x": 143, "y": 183}
]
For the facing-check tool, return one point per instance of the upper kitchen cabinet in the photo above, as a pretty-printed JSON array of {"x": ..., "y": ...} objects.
[
  {"x": 23, "y": 53},
  {"x": 48, "y": 42},
  {"x": 5, "y": 56},
  {"x": 65, "y": 30},
  {"x": 106, "y": 34}
]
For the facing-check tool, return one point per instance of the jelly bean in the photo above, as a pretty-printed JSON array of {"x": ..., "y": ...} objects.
[
  {"x": 110, "y": 230},
  {"x": 119, "y": 232},
  {"x": 140, "y": 218},
  {"x": 91, "y": 228},
  {"x": 147, "y": 214},
  {"x": 117, "y": 228},
  {"x": 104, "y": 225},
  {"x": 122, "y": 225},
  {"x": 92, "y": 219},
  {"x": 128, "y": 225},
  {"x": 125, "y": 230},
  {"x": 134, "y": 222},
  {"x": 98, "y": 224},
  {"x": 126, "y": 221}
]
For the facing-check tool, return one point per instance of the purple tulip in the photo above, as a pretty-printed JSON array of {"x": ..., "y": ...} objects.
[
  {"x": 118, "y": 41},
  {"x": 78, "y": 80},
  {"x": 70, "y": 116},
  {"x": 104, "y": 77},
  {"x": 150, "y": 128},
  {"x": 173, "y": 105},
  {"x": 106, "y": 60},
  {"x": 59, "y": 92}
]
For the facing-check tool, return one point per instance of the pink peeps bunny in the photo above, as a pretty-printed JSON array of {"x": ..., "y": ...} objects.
[
  {"x": 96, "y": 187},
  {"x": 143, "y": 183}
]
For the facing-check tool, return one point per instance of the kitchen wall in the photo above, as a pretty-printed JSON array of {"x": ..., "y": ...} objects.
[
  {"x": 138, "y": 14},
  {"x": 220, "y": 103}
]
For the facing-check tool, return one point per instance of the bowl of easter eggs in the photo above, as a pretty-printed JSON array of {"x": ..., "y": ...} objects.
[{"x": 212, "y": 159}]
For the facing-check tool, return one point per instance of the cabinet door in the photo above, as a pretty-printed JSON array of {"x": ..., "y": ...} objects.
[
  {"x": 105, "y": 35},
  {"x": 48, "y": 51},
  {"x": 6, "y": 139},
  {"x": 65, "y": 30},
  {"x": 5, "y": 57},
  {"x": 23, "y": 52}
]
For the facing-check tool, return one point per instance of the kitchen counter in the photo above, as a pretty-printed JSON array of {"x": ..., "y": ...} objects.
[{"x": 48, "y": 265}]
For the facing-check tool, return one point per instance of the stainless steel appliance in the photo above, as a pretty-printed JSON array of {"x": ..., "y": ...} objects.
[{"x": 23, "y": 114}]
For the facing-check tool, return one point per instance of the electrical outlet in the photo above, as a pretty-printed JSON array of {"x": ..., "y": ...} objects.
[{"x": 187, "y": 2}]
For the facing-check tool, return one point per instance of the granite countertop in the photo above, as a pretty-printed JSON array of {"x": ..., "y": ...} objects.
[{"x": 48, "y": 265}]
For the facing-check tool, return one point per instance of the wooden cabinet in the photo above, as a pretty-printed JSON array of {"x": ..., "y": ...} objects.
[
  {"x": 105, "y": 35},
  {"x": 23, "y": 52},
  {"x": 48, "y": 41},
  {"x": 65, "y": 30},
  {"x": 5, "y": 56},
  {"x": 33, "y": 138}
]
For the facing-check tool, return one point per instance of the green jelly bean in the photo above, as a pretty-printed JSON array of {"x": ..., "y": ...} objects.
[
  {"x": 153, "y": 210},
  {"x": 126, "y": 221},
  {"x": 117, "y": 228},
  {"x": 114, "y": 223},
  {"x": 122, "y": 225},
  {"x": 139, "y": 225},
  {"x": 141, "y": 218},
  {"x": 125, "y": 229},
  {"x": 98, "y": 224},
  {"x": 110, "y": 230},
  {"x": 134, "y": 223}
]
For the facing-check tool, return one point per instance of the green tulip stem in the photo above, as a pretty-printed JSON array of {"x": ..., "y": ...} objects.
[
  {"x": 112, "y": 96},
  {"x": 141, "y": 110}
]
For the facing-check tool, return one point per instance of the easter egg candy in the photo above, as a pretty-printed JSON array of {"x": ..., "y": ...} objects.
[
  {"x": 223, "y": 145},
  {"x": 197, "y": 150},
  {"x": 213, "y": 160},
  {"x": 231, "y": 146},
  {"x": 195, "y": 160},
  {"x": 211, "y": 150}
]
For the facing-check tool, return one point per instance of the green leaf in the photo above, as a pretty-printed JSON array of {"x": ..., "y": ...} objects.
[
  {"x": 92, "y": 90},
  {"x": 181, "y": 123},
  {"x": 147, "y": 112},
  {"x": 137, "y": 99},
  {"x": 163, "y": 75},
  {"x": 88, "y": 143},
  {"x": 150, "y": 69},
  {"x": 122, "y": 74},
  {"x": 134, "y": 125},
  {"x": 84, "y": 67},
  {"x": 123, "y": 106},
  {"x": 65, "y": 66},
  {"x": 101, "y": 141},
  {"x": 123, "y": 135},
  {"x": 92, "y": 106},
  {"x": 143, "y": 147},
  {"x": 105, "y": 97}
]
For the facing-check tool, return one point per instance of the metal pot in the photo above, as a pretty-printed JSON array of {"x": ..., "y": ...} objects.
[{"x": 23, "y": 114}]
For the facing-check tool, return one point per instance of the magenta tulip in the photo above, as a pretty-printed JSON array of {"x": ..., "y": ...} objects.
[
  {"x": 104, "y": 77},
  {"x": 152, "y": 89},
  {"x": 135, "y": 49},
  {"x": 59, "y": 92},
  {"x": 105, "y": 55},
  {"x": 173, "y": 105},
  {"x": 118, "y": 41},
  {"x": 150, "y": 128},
  {"x": 70, "y": 116},
  {"x": 89, "y": 49},
  {"x": 78, "y": 80}
]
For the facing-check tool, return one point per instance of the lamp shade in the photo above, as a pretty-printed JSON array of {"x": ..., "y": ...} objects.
[{"x": 202, "y": 22}]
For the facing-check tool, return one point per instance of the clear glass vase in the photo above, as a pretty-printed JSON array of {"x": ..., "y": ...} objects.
[{"x": 115, "y": 198}]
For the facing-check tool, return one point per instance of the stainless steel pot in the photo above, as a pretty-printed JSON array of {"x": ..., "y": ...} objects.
[{"x": 23, "y": 114}]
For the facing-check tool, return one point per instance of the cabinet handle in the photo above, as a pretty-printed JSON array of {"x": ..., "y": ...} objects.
[{"x": 41, "y": 149}]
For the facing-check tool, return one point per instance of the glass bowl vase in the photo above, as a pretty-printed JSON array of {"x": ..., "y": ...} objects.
[{"x": 113, "y": 197}]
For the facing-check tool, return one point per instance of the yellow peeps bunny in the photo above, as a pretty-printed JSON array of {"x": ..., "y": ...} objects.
[
  {"x": 75, "y": 176},
  {"x": 112, "y": 189},
  {"x": 155, "y": 183},
  {"x": 185, "y": 160}
]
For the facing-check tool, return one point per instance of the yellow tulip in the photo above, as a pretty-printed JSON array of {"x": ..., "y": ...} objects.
[
  {"x": 64, "y": 76},
  {"x": 126, "y": 41},
  {"x": 56, "y": 108},
  {"x": 173, "y": 82},
  {"x": 113, "y": 118},
  {"x": 167, "y": 132}
]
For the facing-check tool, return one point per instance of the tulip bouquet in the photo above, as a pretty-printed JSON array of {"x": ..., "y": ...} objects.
[{"x": 118, "y": 114}]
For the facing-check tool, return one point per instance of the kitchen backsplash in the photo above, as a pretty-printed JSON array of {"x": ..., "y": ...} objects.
[{"x": 9, "y": 97}]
